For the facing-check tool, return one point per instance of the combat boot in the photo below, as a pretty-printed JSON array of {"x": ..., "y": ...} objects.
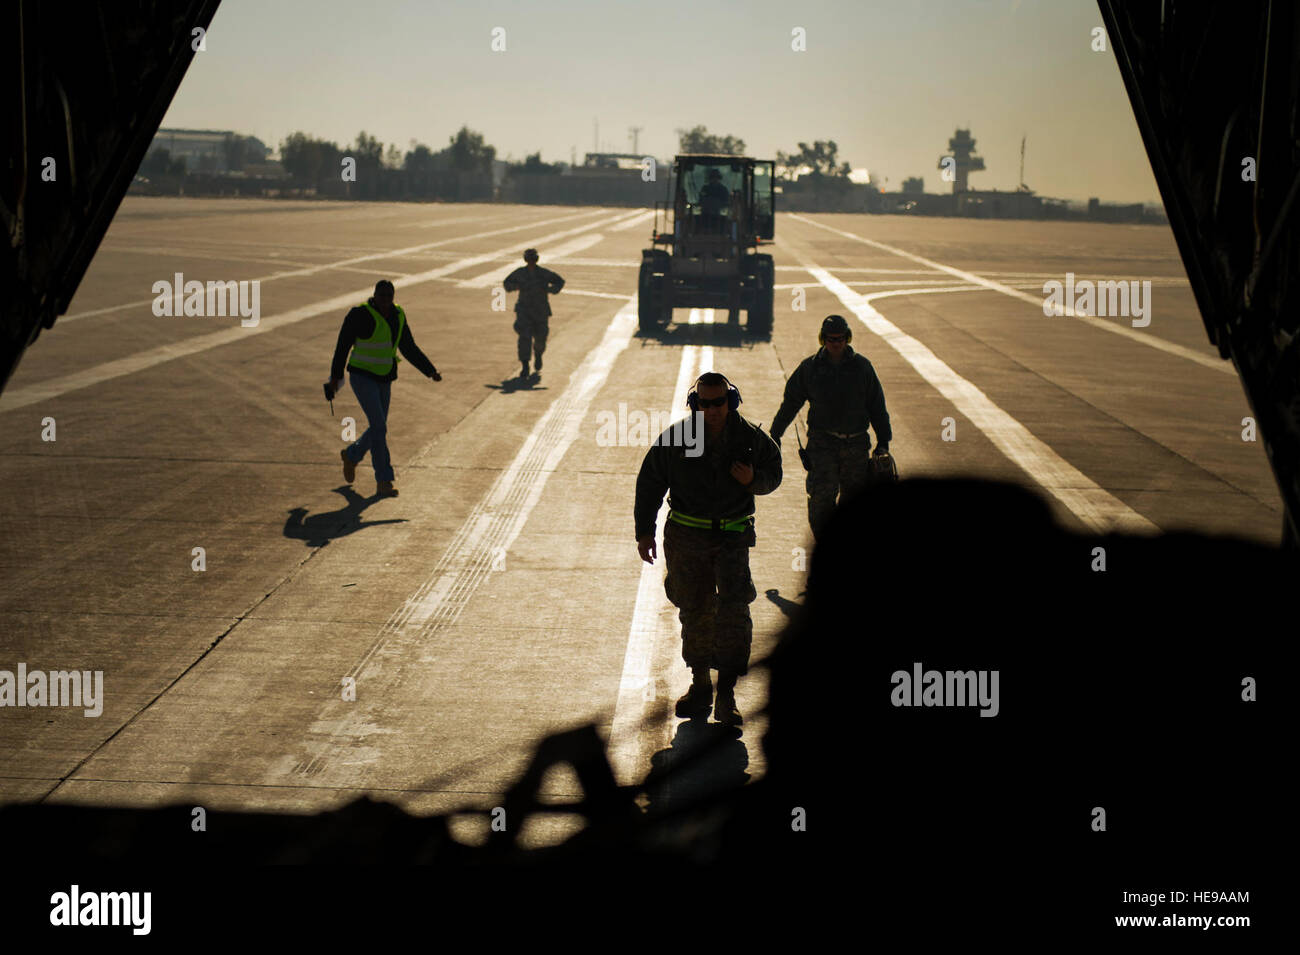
[
  {"x": 349, "y": 467},
  {"x": 537, "y": 362},
  {"x": 696, "y": 701},
  {"x": 724, "y": 708},
  {"x": 523, "y": 369}
]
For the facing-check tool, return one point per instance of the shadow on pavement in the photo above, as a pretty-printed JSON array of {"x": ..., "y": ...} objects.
[
  {"x": 319, "y": 529},
  {"x": 784, "y": 604},
  {"x": 511, "y": 385},
  {"x": 703, "y": 760}
]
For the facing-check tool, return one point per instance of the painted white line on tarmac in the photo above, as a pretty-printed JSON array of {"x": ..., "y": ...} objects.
[
  {"x": 1092, "y": 504},
  {"x": 325, "y": 267},
  {"x": 630, "y": 740},
  {"x": 578, "y": 291},
  {"x": 1152, "y": 341},
  {"x": 948, "y": 286},
  {"x": 497, "y": 275},
  {"x": 486, "y": 534},
  {"x": 634, "y": 221},
  {"x": 46, "y": 390}
]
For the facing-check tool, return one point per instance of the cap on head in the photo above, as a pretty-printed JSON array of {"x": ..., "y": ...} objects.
[
  {"x": 834, "y": 325},
  {"x": 383, "y": 286}
]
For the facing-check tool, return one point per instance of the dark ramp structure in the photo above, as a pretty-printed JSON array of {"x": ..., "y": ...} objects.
[
  {"x": 1214, "y": 89},
  {"x": 1145, "y": 690},
  {"x": 87, "y": 85}
]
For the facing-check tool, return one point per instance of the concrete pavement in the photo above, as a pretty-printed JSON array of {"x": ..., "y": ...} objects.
[{"x": 500, "y": 597}]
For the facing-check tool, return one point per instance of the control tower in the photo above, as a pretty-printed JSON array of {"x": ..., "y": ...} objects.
[{"x": 961, "y": 149}]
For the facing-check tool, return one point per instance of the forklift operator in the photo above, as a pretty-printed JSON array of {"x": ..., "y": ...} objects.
[{"x": 715, "y": 200}]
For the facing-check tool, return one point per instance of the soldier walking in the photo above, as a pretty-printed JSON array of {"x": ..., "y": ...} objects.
[
  {"x": 532, "y": 308},
  {"x": 844, "y": 397},
  {"x": 707, "y": 537}
]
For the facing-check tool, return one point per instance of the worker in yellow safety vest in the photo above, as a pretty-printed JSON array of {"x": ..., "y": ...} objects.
[{"x": 375, "y": 331}]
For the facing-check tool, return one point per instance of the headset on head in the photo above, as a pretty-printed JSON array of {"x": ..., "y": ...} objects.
[
  {"x": 848, "y": 334},
  {"x": 733, "y": 393}
]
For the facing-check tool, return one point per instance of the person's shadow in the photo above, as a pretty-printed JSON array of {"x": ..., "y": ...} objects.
[
  {"x": 704, "y": 759},
  {"x": 319, "y": 529},
  {"x": 510, "y": 385},
  {"x": 784, "y": 604}
]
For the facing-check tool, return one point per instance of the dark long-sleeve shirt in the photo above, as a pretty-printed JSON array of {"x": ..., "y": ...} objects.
[
  {"x": 359, "y": 323},
  {"x": 703, "y": 486},
  {"x": 845, "y": 398},
  {"x": 533, "y": 285}
]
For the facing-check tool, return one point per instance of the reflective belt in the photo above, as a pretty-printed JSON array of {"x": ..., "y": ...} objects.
[
  {"x": 836, "y": 434},
  {"x": 713, "y": 523}
]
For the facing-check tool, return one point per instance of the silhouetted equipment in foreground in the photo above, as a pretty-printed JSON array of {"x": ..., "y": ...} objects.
[{"x": 1120, "y": 688}]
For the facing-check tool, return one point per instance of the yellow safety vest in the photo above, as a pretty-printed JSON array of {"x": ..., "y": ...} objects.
[{"x": 378, "y": 353}]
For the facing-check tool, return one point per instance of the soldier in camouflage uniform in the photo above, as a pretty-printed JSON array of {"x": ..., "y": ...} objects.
[
  {"x": 532, "y": 309},
  {"x": 707, "y": 537},
  {"x": 844, "y": 397}
]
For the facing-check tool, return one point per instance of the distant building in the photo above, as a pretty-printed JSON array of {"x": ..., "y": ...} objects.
[
  {"x": 605, "y": 163},
  {"x": 207, "y": 150},
  {"x": 1114, "y": 212}
]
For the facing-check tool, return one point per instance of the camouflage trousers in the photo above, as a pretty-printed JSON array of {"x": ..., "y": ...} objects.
[
  {"x": 532, "y": 331},
  {"x": 708, "y": 581},
  {"x": 835, "y": 466}
]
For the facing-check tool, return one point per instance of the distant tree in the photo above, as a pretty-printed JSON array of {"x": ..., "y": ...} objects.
[
  {"x": 393, "y": 157},
  {"x": 235, "y": 150},
  {"x": 309, "y": 159},
  {"x": 787, "y": 166},
  {"x": 159, "y": 162},
  {"x": 821, "y": 159},
  {"x": 914, "y": 185},
  {"x": 369, "y": 153},
  {"x": 700, "y": 140},
  {"x": 533, "y": 165},
  {"x": 367, "y": 150},
  {"x": 468, "y": 152},
  {"x": 420, "y": 167}
]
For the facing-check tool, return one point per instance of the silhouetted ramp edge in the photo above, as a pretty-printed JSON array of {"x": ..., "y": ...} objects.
[
  {"x": 106, "y": 84},
  {"x": 1237, "y": 238}
]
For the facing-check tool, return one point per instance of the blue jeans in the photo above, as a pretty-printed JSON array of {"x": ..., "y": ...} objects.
[{"x": 373, "y": 396}]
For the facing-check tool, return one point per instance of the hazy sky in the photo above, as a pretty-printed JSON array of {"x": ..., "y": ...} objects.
[{"x": 888, "y": 81}]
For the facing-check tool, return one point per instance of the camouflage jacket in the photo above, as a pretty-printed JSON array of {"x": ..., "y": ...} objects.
[
  {"x": 702, "y": 486},
  {"x": 533, "y": 285},
  {"x": 845, "y": 397}
]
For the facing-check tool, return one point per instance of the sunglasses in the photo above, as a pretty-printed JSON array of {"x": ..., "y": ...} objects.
[{"x": 710, "y": 402}]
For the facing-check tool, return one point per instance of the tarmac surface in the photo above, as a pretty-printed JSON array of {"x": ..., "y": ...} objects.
[{"x": 500, "y": 597}]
